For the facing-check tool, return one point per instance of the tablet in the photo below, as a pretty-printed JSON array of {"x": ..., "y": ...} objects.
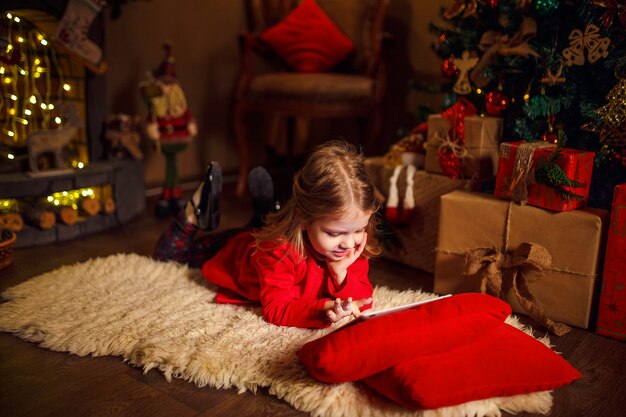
[{"x": 371, "y": 314}]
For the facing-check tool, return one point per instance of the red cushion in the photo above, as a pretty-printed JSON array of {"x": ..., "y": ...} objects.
[
  {"x": 504, "y": 362},
  {"x": 370, "y": 346},
  {"x": 308, "y": 40}
]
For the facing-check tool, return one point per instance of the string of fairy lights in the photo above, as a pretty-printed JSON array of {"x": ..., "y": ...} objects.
[
  {"x": 33, "y": 88},
  {"x": 31, "y": 78}
]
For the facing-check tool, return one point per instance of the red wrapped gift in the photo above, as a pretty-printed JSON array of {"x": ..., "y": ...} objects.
[
  {"x": 612, "y": 307},
  {"x": 520, "y": 160}
]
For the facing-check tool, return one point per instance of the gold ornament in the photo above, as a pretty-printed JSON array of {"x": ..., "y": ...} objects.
[
  {"x": 612, "y": 124},
  {"x": 596, "y": 46}
]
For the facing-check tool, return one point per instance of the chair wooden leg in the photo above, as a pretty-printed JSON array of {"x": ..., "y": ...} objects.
[{"x": 239, "y": 130}]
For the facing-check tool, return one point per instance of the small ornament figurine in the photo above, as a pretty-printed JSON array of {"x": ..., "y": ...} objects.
[
  {"x": 170, "y": 125},
  {"x": 464, "y": 64}
]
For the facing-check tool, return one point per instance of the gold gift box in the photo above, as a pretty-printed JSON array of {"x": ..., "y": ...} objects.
[
  {"x": 574, "y": 238},
  {"x": 481, "y": 137}
]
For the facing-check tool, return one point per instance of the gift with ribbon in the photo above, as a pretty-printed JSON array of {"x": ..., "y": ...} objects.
[
  {"x": 520, "y": 161},
  {"x": 612, "y": 305},
  {"x": 461, "y": 144},
  {"x": 544, "y": 264},
  {"x": 413, "y": 244}
]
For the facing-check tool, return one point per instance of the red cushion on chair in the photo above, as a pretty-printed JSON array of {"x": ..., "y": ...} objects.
[
  {"x": 504, "y": 362},
  {"x": 308, "y": 40},
  {"x": 370, "y": 346}
]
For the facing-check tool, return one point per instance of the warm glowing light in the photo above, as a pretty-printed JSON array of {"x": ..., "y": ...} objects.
[
  {"x": 57, "y": 120},
  {"x": 81, "y": 165},
  {"x": 16, "y": 19},
  {"x": 33, "y": 99},
  {"x": 10, "y": 133},
  {"x": 20, "y": 39},
  {"x": 9, "y": 15},
  {"x": 43, "y": 106},
  {"x": 7, "y": 80},
  {"x": 37, "y": 75},
  {"x": 479, "y": 91},
  {"x": 12, "y": 112},
  {"x": 44, "y": 42},
  {"x": 13, "y": 97},
  {"x": 50, "y": 198},
  {"x": 22, "y": 71},
  {"x": 526, "y": 97},
  {"x": 36, "y": 61},
  {"x": 27, "y": 112},
  {"x": 11, "y": 156},
  {"x": 22, "y": 121},
  {"x": 50, "y": 106},
  {"x": 2, "y": 70},
  {"x": 67, "y": 87}
]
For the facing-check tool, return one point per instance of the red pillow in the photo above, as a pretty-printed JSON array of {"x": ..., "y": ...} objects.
[
  {"x": 308, "y": 40},
  {"x": 370, "y": 346},
  {"x": 504, "y": 362}
]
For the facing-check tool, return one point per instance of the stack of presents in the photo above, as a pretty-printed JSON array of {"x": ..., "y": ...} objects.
[{"x": 484, "y": 215}]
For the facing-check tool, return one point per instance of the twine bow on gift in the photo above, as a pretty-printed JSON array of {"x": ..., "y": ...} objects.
[
  {"x": 450, "y": 154},
  {"x": 523, "y": 175},
  {"x": 501, "y": 272},
  {"x": 493, "y": 43}
]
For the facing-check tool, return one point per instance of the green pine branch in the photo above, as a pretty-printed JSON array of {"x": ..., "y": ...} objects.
[{"x": 552, "y": 176}]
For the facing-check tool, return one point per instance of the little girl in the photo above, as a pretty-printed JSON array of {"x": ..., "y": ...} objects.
[{"x": 308, "y": 266}]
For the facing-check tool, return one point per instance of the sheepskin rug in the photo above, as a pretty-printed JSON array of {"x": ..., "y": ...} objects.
[{"x": 162, "y": 315}]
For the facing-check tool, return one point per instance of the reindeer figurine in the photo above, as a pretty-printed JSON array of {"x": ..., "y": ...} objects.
[{"x": 53, "y": 140}]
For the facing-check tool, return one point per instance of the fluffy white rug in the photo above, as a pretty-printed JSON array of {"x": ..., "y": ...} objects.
[{"x": 162, "y": 315}]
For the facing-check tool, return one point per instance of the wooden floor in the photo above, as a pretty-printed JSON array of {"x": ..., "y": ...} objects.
[{"x": 37, "y": 382}]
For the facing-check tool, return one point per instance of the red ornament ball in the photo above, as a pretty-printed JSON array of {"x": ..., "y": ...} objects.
[
  {"x": 496, "y": 103},
  {"x": 492, "y": 3},
  {"x": 550, "y": 137},
  {"x": 449, "y": 69}
]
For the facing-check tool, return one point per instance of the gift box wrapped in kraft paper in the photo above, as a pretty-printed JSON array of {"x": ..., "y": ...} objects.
[
  {"x": 612, "y": 307},
  {"x": 477, "y": 151},
  {"x": 544, "y": 264},
  {"x": 414, "y": 242},
  {"x": 520, "y": 165}
]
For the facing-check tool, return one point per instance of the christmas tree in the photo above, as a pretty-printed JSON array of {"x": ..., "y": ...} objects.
[{"x": 544, "y": 66}]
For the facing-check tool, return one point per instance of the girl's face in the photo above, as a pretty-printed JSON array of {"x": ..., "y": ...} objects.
[{"x": 334, "y": 237}]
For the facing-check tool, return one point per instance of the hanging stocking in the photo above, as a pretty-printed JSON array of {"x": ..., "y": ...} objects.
[
  {"x": 408, "y": 204},
  {"x": 391, "y": 209},
  {"x": 72, "y": 32}
]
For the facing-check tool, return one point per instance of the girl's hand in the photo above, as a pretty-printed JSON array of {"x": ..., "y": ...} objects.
[
  {"x": 339, "y": 268},
  {"x": 337, "y": 310}
]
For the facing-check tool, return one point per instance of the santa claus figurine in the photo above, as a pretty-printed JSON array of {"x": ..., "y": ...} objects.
[{"x": 170, "y": 125}]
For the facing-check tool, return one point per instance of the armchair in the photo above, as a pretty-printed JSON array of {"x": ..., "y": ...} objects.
[{"x": 352, "y": 89}]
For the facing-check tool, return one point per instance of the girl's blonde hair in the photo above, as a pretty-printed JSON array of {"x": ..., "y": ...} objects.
[{"x": 332, "y": 181}]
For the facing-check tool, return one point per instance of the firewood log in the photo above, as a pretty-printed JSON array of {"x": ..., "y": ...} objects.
[
  {"x": 108, "y": 205},
  {"x": 64, "y": 214},
  {"x": 11, "y": 220},
  {"x": 37, "y": 215},
  {"x": 90, "y": 206}
]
